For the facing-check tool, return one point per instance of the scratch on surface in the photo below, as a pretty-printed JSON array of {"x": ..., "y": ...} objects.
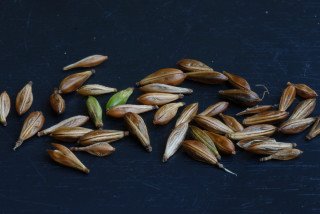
[
  {"x": 37, "y": 171},
  {"x": 151, "y": 185},
  {"x": 26, "y": 201}
]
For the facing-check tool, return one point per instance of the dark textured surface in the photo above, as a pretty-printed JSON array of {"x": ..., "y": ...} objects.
[{"x": 268, "y": 42}]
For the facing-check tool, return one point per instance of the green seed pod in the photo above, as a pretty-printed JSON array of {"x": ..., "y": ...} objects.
[
  {"x": 119, "y": 98},
  {"x": 95, "y": 111}
]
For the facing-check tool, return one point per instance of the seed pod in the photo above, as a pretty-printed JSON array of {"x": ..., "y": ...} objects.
[
  {"x": 237, "y": 81},
  {"x": 98, "y": 149},
  {"x": 192, "y": 65},
  {"x": 119, "y": 98},
  {"x": 64, "y": 156},
  {"x": 207, "y": 77},
  {"x": 304, "y": 91},
  {"x": 212, "y": 124},
  {"x": 268, "y": 147},
  {"x": 231, "y": 122},
  {"x": 57, "y": 102},
  {"x": 255, "y": 110},
  {"x": 98, "y": 136},
  {"x": 287, "y": 98},
  {"x": 5, "y": 105},
  {"x": 163, "y": 88},
  {"x": 203, "y": 137},
  {"x": 315, "y": 130},
  {"x": 121, "y": 110},
  {"x": 253, "y": 132},
  {"x": 158, "y": 98},
  {"x": 285, "y": 154},
  {"x": 200, "y": 152},
  {"x": 222, "y": 143},
  {"x": 74, "y": 81},
  {"x": 187, "y": 114},
  {"x": 87, "y": 62},
  {"x": 246, "y": 143},
  {"x": 215, "y": 109},
  {"x": 175, "y": 140},
  {"x": 166, "y": 113},
  {"x": 296, "y": 126},
  {"x": 303, "y": 109},
  {"x": 32, "y": 124},
  {"x": 169, "y": 76},
  {"x": 95, "y": 90},
  {"x": 24, "y": 99},
  {"x": 74, "y": 121},
  {"x": 95, "y": 111},
  {"x": 241, "y": 97},
  {"x": 69, "y": 134},
  {"x": 265, "y": 118}
]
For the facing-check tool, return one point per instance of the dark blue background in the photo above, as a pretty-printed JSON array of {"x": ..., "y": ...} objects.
[{"x": 267, "y": 42}]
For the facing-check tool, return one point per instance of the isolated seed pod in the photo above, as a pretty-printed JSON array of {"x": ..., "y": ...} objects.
[
  {"x": 74, "y": 121},
  {"x": 303, "y": 109},
  {"x": 121, "y": 110},
  {"x": 98, "y": 149},
  {"x": 95, "y": 90},
  {"x": 287, "y": 98},
  {"x": 32, "y": 124},
  {"x": 158, "y": 98},
  {"x": 268, "y": 147},
  {"x": 200, "y": 152},
  {"x": 163, "y": 88},
  {"x": 207, "y": 77},
  {"x": 266, "y": 118},
  {"x": 64, "y": 156},
  {"x": 166, "y": 113},
  {"x": 87, "y": 62},
  {"x": 255, "y": 110},
  {"x": 253, "y": 132},
  {"x": 98, "y": 136},
  {"x": 24, "y": 99},
  {"x": 215, "y": 109},
  {"x": 241, "y": 97},
  {"x": 169, "y": 76},
  {"x": 231, "y": 122},
  {"x": 5, "y": 105},
  {"x": 237, "y": 81},
  {"x": 57, "y": 102},
  {"x": 119, "y": 98},
  {"x": 222, "y": 143},
  {"x": 285, "y": 154},
  {"x": 296, "y": 126},
  {"x": 187, "y": 114},
  {"x": 192, "y": 65},
  {"x": 304, "y": 91},
  {"x": 95, "y": 111},
  {"x": 69, "y": 134},
  {"x": 138, "y": 128},
  {"x": 212, "y": 124},
  {"x": 74, "y": 81},
  {"x": 315, "y": 130}
]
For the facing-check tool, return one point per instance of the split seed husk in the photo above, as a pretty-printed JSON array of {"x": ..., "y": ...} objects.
[
  {"x": 296, "y": 126},
  {"x": 207, "y": 77},
  {"x": 303, "y": 109},
  {"x": 187, "y": 114},
  {"x": 255, "y": 110},
  {"x": 222, "y": 143},
  {"x": 95, "y": 90},
  {"x": 169, "y": 76},
  {"x": 253, "y": 132},
  {"x": 212, "y": 124},
  {"x": 5, "y": 106},
  {"x": 74, "y": 81},
  {"x": 98, "y": 149},
  {"x": 285, "y": 154},
  {"x": 241, "y": 97},
  {"x": 158, "y": 98},
  {"x": 95, "y": 111},
  {"x": 237, "y": 81},
  {"x": 57, "y": 102},
  {"x": 287, "y": 98},
  {"x": 98, "y": 136},
  {"x": 315, "y": 130},
  {"x": 215, "y": 109},
  {"x": 166, "y": 113},
  {"x": 268, "y": 147},
  {"x": 267, "y": 117},
  {"x": 87, "y": 62},
  {"x": 192, "y": 65},
  {"x": 69, "y": 134},
  {"x": 304, "y": 91},
  {"x": 119, "y": 98},
  {"x": 163, "y": 88},
  {"x": 231, "y": 122},
  {"x": 121, "y": 110},
  {"x": 246, "y": 143},
  {"x": 24, "y": 99}
]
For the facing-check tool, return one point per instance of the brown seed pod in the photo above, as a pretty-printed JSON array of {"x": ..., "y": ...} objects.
[
  {"x": 192, "y": 65},
  {"x": 285, "y": 154},
  {"x": 94, "y": 90},
  {"x": 241, "y": 97},
  {"x": 287, "y": 98},
  {"x": 138, "y": 128},
  {"x": 169, "y": 76},
  {"x": 253, "y": 132},
  {"x": 187, "y": 114},
  {"x": 303, "y": 109},
  {"x": 24, "y": 99},
  {"x": 57, "y": 102},
  {"x": 158, "y": 98},
  {"x": 304, "y": 91},
  {"x": 266, "y": 117},
  {"x": 98, "y": 149},
  {"x": 315, "y": 130},
  {"x": 215, "y": 109},
  {"x": 74, "y": 81},
  {"x": 231, "y": 122},
  {"x": 207, "y": 77},
  {"x": 98, "y": 136},
  {"x": 222, "y": 143},
  {"x": 5, "y": 105},
  {"x": 69, "y": 134},
  {"x": 87, "y": 62},
  {"x": 32, "y": 124},
  {"x": 163, "y": 88},
  {"x": 212, "y": 124},
  {"x": 255, "y": 110},
  {"x": 296, "y": 126},
  {"x": 166, "y": 113},
  {"x": 120, "y": 110},
  {"x": 237, "y": 81}
]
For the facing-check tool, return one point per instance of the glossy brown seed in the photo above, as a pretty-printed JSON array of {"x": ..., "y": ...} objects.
[
  {"x": 5, "y": 106},
  {"x": 296, "y": 126},
  {"x": 69, "y": 134},
  {"x": 163, "y": 88},
  {"x": 166, "y": 113},
  {"x": 285, "y": 154},
  {"x": 222, "y": 143},
  {"x": 231, "y": 122},
  {"x": 98, "y": 149},
  {"x": 138, "y": 128},
  {"x": 266, "y": 117},
  {"x": 158, "y": 98},
  {"x": 32, "y": 124},
  {"x": 169, "y": 76},
  {"x": 212, "y": 124},
  {"x": 74, "y": 81},
  {"x": 241, "y": 97},
  {"x": 98, "y": 136},
  {"x": 192, "y": 65},
  {"x": 187, "y": 114},
  {"x": 24, "y": 99},
  {"x": 315, "y": 130},
  {"x": 303, "y": 109},
  {"x": 95, "y": 90},
  {"x": 64, "y": 156},
  {"x": 207, "y": 77},
  {"x": 120, "y": 110},
  {"x": 202, "y": 153},
  {"x": 87, "y": 62},
  {"x": 255, "y": 110},
  {"x": 268, "y": 147},
  {"x": 215, "y": 109},
  {"x": 253, "y": 132},
  {"x": 304, "y": 91},
  {"x": 287, "y": 98},
  {"x": 57, "y": 102},
  {"x": 237, "y": 81}
]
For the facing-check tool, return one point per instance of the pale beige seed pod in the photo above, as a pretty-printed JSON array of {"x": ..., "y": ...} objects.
[
  {"x": 268, "y": 147},
  {"x": 192, "y": 65},
  {"x": 163, "y": 88},
  {"x": 74, "y": 81},
  {"x": 87, "y": 62},
  {"x": 212, "y": 124},
  {"x": 256, "y": 109},
  {"x": 158, "y": 98},
  {"x": 287, "y": 98},
  {"x": 57, "y": 102},
  {"x": 187, "y": 114},
  {"x": 296, "y": 126},
  {"x": 237, "y": 81},
  {"x": 169, "y": 76},
  {"x": 95, "y": 90},
  {"x": 315, "y": 130},
  {"x": 285, "y": 154},
  {"x": 246, "y": 143},
  {"x": 253, "y": 132},
  {"x": 267, "y": 117},
  {"x": 24, "y": 99},
  {"x": 232, "y": 122},
  {"x": 5, "y": 105},
  {"x": 120, "y": 110},
  {"x": 98, "y": 149},
  {"x": 215, "y": 109},
  {"x": 69, "y": 134},
  {"x": 303, "y": 109},
  {"x": 166, "y": 113},
  {"x": 98, "y": 136}
]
